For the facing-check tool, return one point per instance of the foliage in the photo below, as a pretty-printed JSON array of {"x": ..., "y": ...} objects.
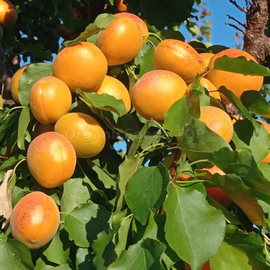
[{"x": 127, "y": 208}]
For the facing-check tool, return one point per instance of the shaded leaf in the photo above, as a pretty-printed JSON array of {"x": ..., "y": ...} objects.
[
  {"x": 144, "y": 255},
  {"x": 194, "y": 229},
  {"x": 24, "y": 121}
]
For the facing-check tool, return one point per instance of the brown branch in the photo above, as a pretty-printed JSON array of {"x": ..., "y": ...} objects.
[
  {"x": 232, "y": 18},
  {"x": 235, "y": 4},
  {"x": 255, "y": 40},
  {"x": 236, "y": 27}
]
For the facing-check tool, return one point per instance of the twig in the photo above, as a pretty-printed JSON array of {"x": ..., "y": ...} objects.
[
  {"x": 235, "y": 4},
  {"x": 236, "y": 27},
  {"x": 232, "y": 18}
]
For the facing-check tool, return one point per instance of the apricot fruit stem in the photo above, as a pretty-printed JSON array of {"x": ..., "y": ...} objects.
[
  {"x": 155, "y": 35},
  {"x": 154, "y": 147},
  {"x": 164, "y": 131}
]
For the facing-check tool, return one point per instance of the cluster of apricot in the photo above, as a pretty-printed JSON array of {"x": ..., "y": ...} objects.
[{"x": 63, "y": 136}]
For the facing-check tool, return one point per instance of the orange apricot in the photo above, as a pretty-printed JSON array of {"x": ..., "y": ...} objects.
[
  {"x": 267, "y": 127},
  {"x": 51, "y": 159},
  {"x": 116, "y": 88},
  {"x": 236, "y": 82},
  {"x": 84, "y": 133},
  {"x": 41, "y": 128},
  {"x": 179, "y": 57},
  {"x": 155, "y": 92},
  {"x": 217, "y": 193},
  {"x": 120, "y": 41},
  {"x": 137, "y": 19},
  {"x": 82, "y": 66},
  {"x": 206, "y": 266},
  {"x": 50, "y": 98},
  {"x": 206, "y": 58},
  {"x": 8, "y": 13},
  {"x": 120, "y": 5},
  {"x": 218, "y": 121},
  {"x": 15, "y": 83},
  {"x": 35, "y": 219}
]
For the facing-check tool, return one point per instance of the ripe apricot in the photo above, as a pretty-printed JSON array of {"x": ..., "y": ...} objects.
[
  {"x": 267, "y": 127},
  {"x": 41, "y": 128},
  {"x": 82, "y": 66},
  {"x": 120, "y": 5},
  {"x": 206, "y": 266},
  {"x": 84, "y": 133},
  {"x": 217, "y": 193},
  {"x": 206, "y": 58},
  {"x": 179, "y": 57},
  {"x": 15, "y": 83},
  {"x": 35, "y": 219},
  {"x": 116, "y": 88},
  {"x": 120, "y": 41},
  {"x": 8, "y": 13},
  {"x": 236, "y": 82},
  {"x": 155, "y": 92},
  {"x": 51, "y": 159},
  {"x": 218, "y": 121},
  {"x": 140, "y": 22},
  {"x": 50, "y": 98}
]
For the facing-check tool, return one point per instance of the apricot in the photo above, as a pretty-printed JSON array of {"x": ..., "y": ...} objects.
[
  {"x": 82, "y": 66},
  {"x": 83, "y": 132},
  {"x": 8, "y": 13},
  {"x": 51, "y": 159},
  {"x": 35, "y": 220},
  {"x": 138, "y": 20},
  {"x": 267, "y": 127},
  {"x": 206, "y": 266},
  {"x": 120, "y": 41},
  {"x": 50, "y": 98},
  {"x": 179, "y": 57},
  {"x": 236, "y": 82},
  {"x": 116, "y": 88},
  {"x": 15, "y": 83},
  {"x": 120, "y": 5},
  {"x": 206, "y": 58},
  {"x": 41, "y": 128},
  {"x": 217, "y": 193},
  {"x": 155, "y": 92},
  {"x": 218, "y": 121}
]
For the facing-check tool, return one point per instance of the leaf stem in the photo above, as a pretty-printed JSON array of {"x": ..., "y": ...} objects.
[
  {"x": 155, "y": 146},
  {"x": 164, "y": 131},
  {"x": 155, "y": 35}
]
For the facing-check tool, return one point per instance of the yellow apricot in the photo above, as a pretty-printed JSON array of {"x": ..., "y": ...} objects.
[
  {"x": 84, "y": 133},
  {"x": 35, "y": 219}
]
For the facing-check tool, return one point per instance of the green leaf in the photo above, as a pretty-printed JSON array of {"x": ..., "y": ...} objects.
[
  {"x": 122, "y": 234},
  {"x": 146, "y": 190},
  {"x": 240, "y": 65},
  {"x": 199, "y": 141},
  {"x": 75, "y": 193},
  {"x": 30, "y": 75},
  {"x": 245, "y": 251},
  {"x": 144, "y": 255},
  {"x": 194, "y": 229},
  {"x": 9, "y": 164},
  {"x": 103, "y": 176},
  {"x": 103, "y": 102},
  {"x": 246, "y": 137},
  {"x": 84, "y": 259},
  {"x": 24, "y": 121},
  {"x": 255, "y": 103},
  {"x": 14, "y": 255},
  {"x": 85, "y": 222},
  {"x": 126, "y": 170},
  {"x": 177, "y": 117},
  {"x": 103, "y": 248},
  {"x": 58, "y": 250}
]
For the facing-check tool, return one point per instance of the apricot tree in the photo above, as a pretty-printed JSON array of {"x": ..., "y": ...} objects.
[{"x": 125, "y": 146}]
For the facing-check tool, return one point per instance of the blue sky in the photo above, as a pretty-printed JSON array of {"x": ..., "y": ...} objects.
[{"x": 223, "y": 34}]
